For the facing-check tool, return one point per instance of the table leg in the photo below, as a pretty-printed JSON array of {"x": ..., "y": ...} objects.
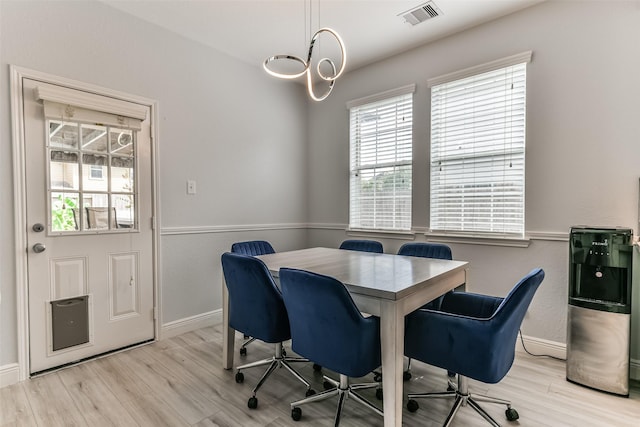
[
  {"x": 392, "y": 340},
  {"x": 228, "y": 333}
]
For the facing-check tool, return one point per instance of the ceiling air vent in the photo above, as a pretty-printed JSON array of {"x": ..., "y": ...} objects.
[{"x": 421, "y": 13}]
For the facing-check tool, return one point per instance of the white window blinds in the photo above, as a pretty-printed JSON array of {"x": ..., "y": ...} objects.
[
  {"x": 381, "y": 159},
  {"x": 477, "y": 152}
]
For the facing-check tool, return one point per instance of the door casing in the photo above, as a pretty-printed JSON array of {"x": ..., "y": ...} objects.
[{"x": 19, "y": 189}]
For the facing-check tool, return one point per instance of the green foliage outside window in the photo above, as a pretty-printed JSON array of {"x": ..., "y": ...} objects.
[{"x": 62, "y": 218}]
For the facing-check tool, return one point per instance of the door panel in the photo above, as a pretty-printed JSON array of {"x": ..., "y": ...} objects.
[{"x": 89, "y": 187}]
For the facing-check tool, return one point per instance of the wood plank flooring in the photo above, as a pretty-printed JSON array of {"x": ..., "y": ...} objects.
[{"x": 180, "y": 382}]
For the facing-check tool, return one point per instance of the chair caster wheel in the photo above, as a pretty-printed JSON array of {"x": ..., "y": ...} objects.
[
  {"x": 327, "y": 385},
  {"x": 239, "y": 377},
  {"x": 296, "y": 414},
  {"x": 379, "y": 394},
  {"x": 310, "y": 392},
  {"x": 406, "y": 376},
  {"x": 377, "y": 377},
  {"x": 317, "y": 367},
  {"x": 511, "y": 414},
  {"x": 243, "y": 351},
  {"x": 412, "y": 405},
  {"x": 253, "y": 402}
]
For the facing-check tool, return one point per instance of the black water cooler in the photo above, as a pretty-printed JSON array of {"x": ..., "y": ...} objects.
[{"x": 599, "y": 312}]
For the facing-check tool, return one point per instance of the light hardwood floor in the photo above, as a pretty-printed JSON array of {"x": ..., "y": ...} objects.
[{"x": 180, "y": 382}]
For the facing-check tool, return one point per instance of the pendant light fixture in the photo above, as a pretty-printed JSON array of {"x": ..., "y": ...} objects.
[{"x": 331, "y": 77}]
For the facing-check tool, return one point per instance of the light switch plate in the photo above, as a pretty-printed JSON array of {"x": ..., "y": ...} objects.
[{"x": 191, "y": 187}]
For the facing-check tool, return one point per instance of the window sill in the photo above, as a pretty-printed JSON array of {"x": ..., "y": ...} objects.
[
  {"x": 388, "y": 234},
  {"x": 478, "y": 239}
]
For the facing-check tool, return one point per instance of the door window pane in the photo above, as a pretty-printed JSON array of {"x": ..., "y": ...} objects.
[
  {"x": 63, "y": 170},
  {"x": 122, "y": 174},
  {"x": 91, "y": 177},
  {"x": 121, "y": 142},
  {"x": 63, "y": 134},
  {"x": 124, "y": 210},
  {"x": 96, "y": 209},
  {"x": 94, "y": 173},
  {"x": 65, "y": 215},
  {"x": 94, "y": 138}
]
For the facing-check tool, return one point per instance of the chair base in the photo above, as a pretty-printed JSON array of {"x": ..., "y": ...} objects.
[
  {"x": 243, "y": 348},
  {"x": 462, "y": 398},
  {"x": 277, "y": 361},
  {"x": 343, "y": 389}
]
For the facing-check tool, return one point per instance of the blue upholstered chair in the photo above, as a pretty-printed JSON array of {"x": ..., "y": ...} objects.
[
  {"x": 257, "y": 309},
  {"x": 426, "y": 250},
  {"x": 474, "y": 336},
  {"x": 362, "y": 246},
  {"x": 328, "y": 328},
  {"x": 253, "y": 248}
]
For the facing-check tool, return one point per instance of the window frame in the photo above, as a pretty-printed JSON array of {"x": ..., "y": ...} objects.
[
  {"x": 357, "y": 165},
  {"x": 457, "y": 234}
]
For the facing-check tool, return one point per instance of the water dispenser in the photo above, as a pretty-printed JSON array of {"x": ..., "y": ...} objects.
[{"x": 599, "y": 312}]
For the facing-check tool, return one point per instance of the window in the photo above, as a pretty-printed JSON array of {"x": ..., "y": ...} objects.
[
  {"x": 478, "y": 149},
  {"x": 81, "y": 157},
  {"x": 381, "y": 132},
  {"x": 96, "y": 172}
]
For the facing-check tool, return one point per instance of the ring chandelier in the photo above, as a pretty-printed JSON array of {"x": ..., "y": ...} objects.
[{"x": 331, "y": 78}]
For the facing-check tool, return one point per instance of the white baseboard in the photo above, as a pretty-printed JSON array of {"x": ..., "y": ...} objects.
[
  {"x": 559, "y": 350},
  {"x": 9, "y": 374},
  {"x": 189, "y": 324},
  {"x": 541, "y": 346}
]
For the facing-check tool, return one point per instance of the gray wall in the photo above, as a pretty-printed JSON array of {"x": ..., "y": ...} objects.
[
  {"x": 239, "y": 133},
  {"x": 582, "y": 140}
]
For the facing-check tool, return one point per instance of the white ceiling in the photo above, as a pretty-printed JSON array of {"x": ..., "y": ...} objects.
[{"x": 251, "y": 30}]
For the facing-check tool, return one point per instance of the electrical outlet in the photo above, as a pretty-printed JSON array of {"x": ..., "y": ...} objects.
[{"x": 191, "y": 187}]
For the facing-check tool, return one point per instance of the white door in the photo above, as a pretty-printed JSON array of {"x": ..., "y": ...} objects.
[{"x": 90, "y": 238}]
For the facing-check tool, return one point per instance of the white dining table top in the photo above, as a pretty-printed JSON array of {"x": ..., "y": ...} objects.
[{"x": 383, "y": 276}]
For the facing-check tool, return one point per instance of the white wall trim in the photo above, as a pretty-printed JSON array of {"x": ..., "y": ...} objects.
[
  {"x": 478, "y": 239},
  {"x": 192, "y": 323},
  {"x": 208, "y": 229},
  {"x": 541, "y": 346},
  {"x": 19, "y": 217},
  {"x": 403, "y": 90},
  {"x": 549, "y": 235},
  {"x": 9, "y": 374},
  {"x": 530, "y": 235},
  {"x": 518, "y": 58},
  {"x": 327, "y": 226},
  {"x": 17, "y": 74}
]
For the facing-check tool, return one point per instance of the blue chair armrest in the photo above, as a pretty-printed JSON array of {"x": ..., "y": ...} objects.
[{"x": 470, "y": 304}]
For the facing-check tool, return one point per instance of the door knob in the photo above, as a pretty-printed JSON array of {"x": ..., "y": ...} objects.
[{"x": 39, "y": 247}]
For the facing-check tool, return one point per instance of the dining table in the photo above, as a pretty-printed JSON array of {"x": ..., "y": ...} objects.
[{"x": 384, "y": 285}]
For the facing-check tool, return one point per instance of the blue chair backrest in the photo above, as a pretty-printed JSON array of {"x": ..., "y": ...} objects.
[
  {"x": 502, "y": 328},
  {"x": 253, "y": 247},
  {"x": 326, "y": 325},
  {"x": 426, "y": 250},
  {"x": 256, "y": 307},
  {"x": 362, "y": 246}
]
